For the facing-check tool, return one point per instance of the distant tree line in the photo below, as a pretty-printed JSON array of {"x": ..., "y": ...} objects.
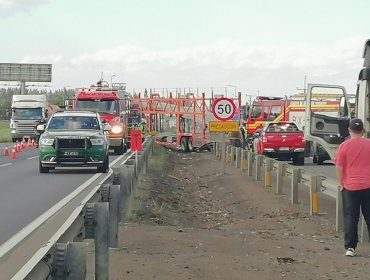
[{"x": 56, "y": 97}]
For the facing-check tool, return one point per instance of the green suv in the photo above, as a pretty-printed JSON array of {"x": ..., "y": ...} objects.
[{"x": 74, "y": 139}]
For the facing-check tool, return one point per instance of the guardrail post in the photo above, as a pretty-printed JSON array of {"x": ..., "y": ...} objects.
[
  {"x": 296, "y": 178},
  {"x": 279, "y": 177},
  {"x": 232, "y": 155},
  {"x": 249, "y": 163},
  {"x": 114, "y": 214},
  {"x": 101, "y": 241},
  {"x": 315, "y": 184},
  {"x": 237, "y": 158},
  {"x": 228, "y": 153},
  {"x": 69, "y": 261},
  {"x": 339, "y": 211},
  {"x": 268, "y": 169},
  {"x": 145, "y": 161},
  {"x": 89, "y": 220},
  {"x": 257, "y": 175},
  {"x": 243, "y": 161},
  {"x": 125, "y": 186}
]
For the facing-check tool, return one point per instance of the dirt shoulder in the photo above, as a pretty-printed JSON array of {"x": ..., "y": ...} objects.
[{"x": 186, "y": 220}]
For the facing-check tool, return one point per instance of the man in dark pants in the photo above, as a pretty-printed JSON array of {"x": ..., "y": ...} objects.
[{"x": 352, "y": 165}]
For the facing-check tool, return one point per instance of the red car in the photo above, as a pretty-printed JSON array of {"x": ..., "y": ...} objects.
[{"x": 282, "y": 140}]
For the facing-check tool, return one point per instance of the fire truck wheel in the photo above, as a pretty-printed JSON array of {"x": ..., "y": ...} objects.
[
  {"x": 120, "y": 150},
  {"x": 185, "y": 144},
  {"x": 105, "y": 167}
]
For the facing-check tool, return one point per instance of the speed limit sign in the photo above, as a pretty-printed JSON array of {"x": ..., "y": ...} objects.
[{"x": 223, "y": 109}]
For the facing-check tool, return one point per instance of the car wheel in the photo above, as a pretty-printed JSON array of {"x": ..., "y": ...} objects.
[
  {"x": 105, "y": 167},
  {"x": 298, "y": 159},
  {"x": 43, "y": 169}
]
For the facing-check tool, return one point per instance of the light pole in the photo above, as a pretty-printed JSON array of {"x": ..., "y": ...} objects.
[{"x": 111, "y": 80}]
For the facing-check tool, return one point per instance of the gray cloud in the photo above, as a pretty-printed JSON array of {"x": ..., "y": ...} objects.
[{"x": 11, "y": 7}]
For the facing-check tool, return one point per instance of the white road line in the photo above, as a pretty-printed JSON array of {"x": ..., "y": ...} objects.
[
  {"x": 6, "y": 164},
  {"x": 33, "y": 157}
]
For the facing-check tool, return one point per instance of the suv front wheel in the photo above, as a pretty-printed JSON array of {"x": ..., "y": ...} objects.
[
  {"x": 43, "y": 169},
  {"x": 105, "y": 167}
]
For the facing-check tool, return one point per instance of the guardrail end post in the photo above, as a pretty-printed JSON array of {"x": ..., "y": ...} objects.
[{"x": 114, "y": 215}]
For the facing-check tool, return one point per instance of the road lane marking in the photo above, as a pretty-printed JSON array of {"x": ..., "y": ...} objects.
[
  {"x": 33, "y": 157},
  {"x": 6, "y": 164},
  {"x": 24, "y": 232}
]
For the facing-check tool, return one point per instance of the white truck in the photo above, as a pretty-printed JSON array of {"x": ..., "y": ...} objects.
[
  {"x": 26, "y": 112},
  {"x": 331, "y": 131}
]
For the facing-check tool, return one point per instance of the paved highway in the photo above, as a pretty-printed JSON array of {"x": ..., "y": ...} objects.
[{"x": 25, "y": 193}]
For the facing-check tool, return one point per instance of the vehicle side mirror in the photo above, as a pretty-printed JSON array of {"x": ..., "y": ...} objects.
[
  {"x": 40, "y": 128},
  {"x": 107, "y": 127}
]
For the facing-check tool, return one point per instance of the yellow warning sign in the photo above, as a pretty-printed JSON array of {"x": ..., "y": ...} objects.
[{"x": 215, "y": 126}]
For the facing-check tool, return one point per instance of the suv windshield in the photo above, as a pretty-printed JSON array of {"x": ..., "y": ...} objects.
[{"x": 74, "y": 122}]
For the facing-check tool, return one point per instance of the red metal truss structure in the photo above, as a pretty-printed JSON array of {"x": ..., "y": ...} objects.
[{"x": 192, "y": 116}]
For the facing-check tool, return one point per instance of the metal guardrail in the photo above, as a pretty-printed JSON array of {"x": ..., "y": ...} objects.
[
  {"x": 261, "y": 168},
  {"x": 52, "y": 246}
]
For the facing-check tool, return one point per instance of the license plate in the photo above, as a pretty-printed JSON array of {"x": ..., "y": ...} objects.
[
  {"x": 71, "y": 153},
  {"x": 284, "y": 148}
]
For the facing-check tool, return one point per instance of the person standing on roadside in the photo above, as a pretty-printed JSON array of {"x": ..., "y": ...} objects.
[{"x": 352, "y": 165}]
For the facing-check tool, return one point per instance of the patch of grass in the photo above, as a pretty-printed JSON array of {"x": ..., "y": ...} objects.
[
  {"x": 132, "y": 217},
  {"x": 5, "y": 132}
]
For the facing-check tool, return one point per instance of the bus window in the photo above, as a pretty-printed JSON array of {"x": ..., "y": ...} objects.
[
  {"x": 256, "y": 112},
  {"x": 275, "y": 112}
]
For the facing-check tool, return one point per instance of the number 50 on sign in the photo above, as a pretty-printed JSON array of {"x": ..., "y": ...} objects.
[{"x": 223, "y": 109}]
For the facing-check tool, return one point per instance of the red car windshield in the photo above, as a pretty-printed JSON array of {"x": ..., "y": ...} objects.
[{"x": 282, "y": 127}]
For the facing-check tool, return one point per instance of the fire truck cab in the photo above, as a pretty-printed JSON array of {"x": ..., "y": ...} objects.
[{"x": 112, "y": 104}]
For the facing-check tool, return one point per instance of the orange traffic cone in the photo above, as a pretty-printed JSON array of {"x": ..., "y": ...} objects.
[
  {"x": 6, "y": 151},
  {"x": 13, "y": 155}
]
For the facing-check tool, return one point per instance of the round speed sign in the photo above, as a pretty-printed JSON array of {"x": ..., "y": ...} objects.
[{"x": 223, "y": 109}]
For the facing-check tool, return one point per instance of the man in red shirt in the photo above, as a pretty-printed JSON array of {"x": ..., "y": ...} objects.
[{"x": 352, "y": 164}]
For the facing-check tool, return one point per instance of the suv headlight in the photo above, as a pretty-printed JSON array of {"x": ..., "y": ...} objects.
[
  {"x": 46, "y": 141},
  {"x": 97, "y": 141},
  {"x": 117, "y": 129}
]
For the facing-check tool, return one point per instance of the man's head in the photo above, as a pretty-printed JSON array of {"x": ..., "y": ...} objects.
[{"x": 356, "y": 126}]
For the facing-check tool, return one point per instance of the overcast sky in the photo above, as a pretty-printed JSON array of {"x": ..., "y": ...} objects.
[{"x": 265, "y": 46}]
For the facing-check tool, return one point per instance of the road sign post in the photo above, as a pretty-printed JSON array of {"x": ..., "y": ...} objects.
[{"x": 223, "y": 110}]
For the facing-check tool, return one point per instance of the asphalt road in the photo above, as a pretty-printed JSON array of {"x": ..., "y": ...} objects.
[{"x": 25, "y": 193}]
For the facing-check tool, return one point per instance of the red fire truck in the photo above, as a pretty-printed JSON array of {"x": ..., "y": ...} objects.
[
  {"x": 267, "y": 109},
  {"x": 112, "y": 103}
]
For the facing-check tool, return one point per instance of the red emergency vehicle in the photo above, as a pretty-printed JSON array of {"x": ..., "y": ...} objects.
[
  {"x": 112, "y": 104},
  {"x": 267, "y": 109}
]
